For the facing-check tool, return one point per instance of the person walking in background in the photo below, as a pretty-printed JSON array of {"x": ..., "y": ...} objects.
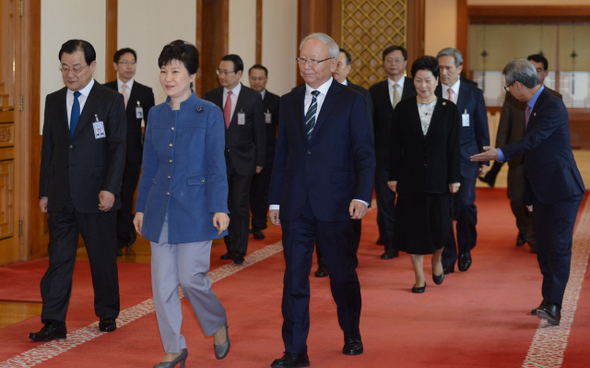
[
  {"x": 82, "y": 163},
  {"x": 424, "y": 167},
  {"x": 258, "y": 77},
  {"x": 139, "y": 99},
  {"x": 182, "y": 203},
  {"x": 385, "y": 95},
  {"x": 245, "y": 147},
  {"x": 474, "y": 134}
]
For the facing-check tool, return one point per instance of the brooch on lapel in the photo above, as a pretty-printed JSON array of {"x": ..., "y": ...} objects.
[
  {"x": 534, "y": 114},
  {"x": 199, "y": 109},
  {"x": 444, "y": 103}
]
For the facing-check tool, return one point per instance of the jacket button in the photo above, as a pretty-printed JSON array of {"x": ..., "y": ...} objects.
[
  {"x": 71, "y": 146},
  {"x": 202, "y": 181},
  {"x": 167, "y": 193},
  {"x": 168, "y": 176},
  {"x": 308, "y": 152},
  {"x": 170, "y": 145},
  {"x": 170, "y": 161},
  {"x": 172, "y": 128}
]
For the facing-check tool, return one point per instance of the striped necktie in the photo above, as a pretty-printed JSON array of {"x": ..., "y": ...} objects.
[{"x": 310, "y": 116}]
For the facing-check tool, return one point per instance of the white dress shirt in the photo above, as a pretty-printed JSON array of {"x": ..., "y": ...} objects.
[
  {"x": 454, "y": 87},
  {"x": 234, "y": 97},
  {"x": 84, "y": 92},
  {"x": 400, "y": 83}
]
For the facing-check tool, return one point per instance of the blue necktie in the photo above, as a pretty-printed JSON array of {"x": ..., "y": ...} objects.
[
  {"x": 310, "y": 116},
  {"x": 75, "y": 115}
]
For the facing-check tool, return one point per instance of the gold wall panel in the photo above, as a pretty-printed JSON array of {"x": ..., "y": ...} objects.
[
  {"x": 369, "y": 27},
  {"x": 6, "y": 199},
  {"x": 6, "y": 135}
]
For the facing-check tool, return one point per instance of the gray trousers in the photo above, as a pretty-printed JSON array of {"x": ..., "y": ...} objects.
[{"x": 187, "y": 265}]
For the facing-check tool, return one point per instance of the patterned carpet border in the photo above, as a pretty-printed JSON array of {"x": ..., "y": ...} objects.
[
  {"x": 550, "y": 342},
  {"x": 51, "y": 349}
]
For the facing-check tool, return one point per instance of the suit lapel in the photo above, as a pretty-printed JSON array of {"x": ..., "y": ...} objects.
[
  {"x": 62, "y": 113},
  {"x": 133, "y": 98},
  {"x": 463, "y": 97},
  {"x": 327, "y": 106},
  {"x": 243, "y": 96},
  {"x": 385, "y": 95}
]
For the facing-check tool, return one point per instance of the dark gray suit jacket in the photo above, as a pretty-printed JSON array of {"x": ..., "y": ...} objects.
[
  {"x": 83, "y": 165},
  {"x": 245, "y": 145}
]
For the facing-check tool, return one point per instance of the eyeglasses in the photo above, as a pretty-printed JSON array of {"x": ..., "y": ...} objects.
[
  {"x": 394, "y": 60},
  {"x": 507, "y": 87},
  {"x": 125, "y": 63},
  {"x": 76, "y": 71},
  {"x": 224, "y": 72},
  {"x": 312, "y": 62}
]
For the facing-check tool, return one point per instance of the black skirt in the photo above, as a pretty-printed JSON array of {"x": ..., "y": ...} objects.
[{"x": 422, "y": 222}]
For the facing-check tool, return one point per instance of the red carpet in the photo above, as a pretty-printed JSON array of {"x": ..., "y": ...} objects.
[{"x": 474, "y": 319}]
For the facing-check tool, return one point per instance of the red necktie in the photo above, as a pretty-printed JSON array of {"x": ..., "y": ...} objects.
[
  {"x": 450, "y": 94},
  {"x": 227, "y": 110},
  {"x": 527, "y": 115}
]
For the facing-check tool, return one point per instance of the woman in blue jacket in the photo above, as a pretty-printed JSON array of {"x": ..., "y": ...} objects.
[{"x": 182, "y": 202}]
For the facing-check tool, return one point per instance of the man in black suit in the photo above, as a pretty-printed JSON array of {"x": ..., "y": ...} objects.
[
  {"x": 139, "y": 99},
  {"x": 343, "y": 67},
  {"x": 554, "y": 186},
  {"x": 474, "y": 134},
  {"x": 245, "y": 147},
  {"x": 258, "y": 77},
  {"x": 82, "y": 163},
  {"x": 385, "y": 95},
  {"x": 322, "y": 179},
  {"x": 511, "y": 129}
]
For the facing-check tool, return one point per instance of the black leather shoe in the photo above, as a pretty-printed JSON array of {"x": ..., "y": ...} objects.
[
  {"x": 464, "y": 261},
  {"x": 487, "y": 180},
  {"x": 48, "y": 332},
  {"x": 380, "y": 242},
  {"x": 418, "y": 290},
  {"x": 257, "y": 234},
  {"x": 520, "y": 240},
  {"x": 119, "y": 252},
  {"x": 438, "y": 279},
  {"x": 322, "y": 271},
  {"x": 448, "y": 270},
  {"x": 352, "y": 346},
  {"x": 132, "y": 238},
  {"x": 551, "y": 312},
  {"x": 107, "y": 324},
  {"x": 533, "y": 248},
  {"x": 237, "y": 258},
  {"x": 541, "y": 306},
  {"x": 226, "y": 255},
  {"x": 389, "y": 254},
  {"x": 291, "y": 360}
]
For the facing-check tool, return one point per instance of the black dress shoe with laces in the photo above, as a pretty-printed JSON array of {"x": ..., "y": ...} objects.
[
  {"x": 107, "y": 324},
  {"x": 541, "y": 306},
  {"x": 226, "y": 255},
  {"x": 291, "y": 360},
  {"x": 352, "y": 346},
  {"x": 237, "y": 258},
  {"x": 550, "y": 312},
  {"x": 49, "y": 332},
  {"x": 464, "y": 261}
]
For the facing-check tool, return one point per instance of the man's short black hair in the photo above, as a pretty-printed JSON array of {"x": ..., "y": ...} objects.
[
  {"x": 238, "y": 63},
  {"x": 538, "y": 58},
  {"x": 71, "y": 46},
  {"x": 122, "y": 52},
  {"x": 348, "y": 57},
  {"x": 258, "y": 66},
  {"x": 391, "y": 49}
]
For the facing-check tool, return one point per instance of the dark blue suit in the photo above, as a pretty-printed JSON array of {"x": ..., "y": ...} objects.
[
  {"x": 473, "y": 138},
  {"x": 314, "y": 183},
  {"x": 553, "y": 186}
]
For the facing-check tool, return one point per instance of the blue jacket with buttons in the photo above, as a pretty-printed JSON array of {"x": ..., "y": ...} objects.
[{"x": 183, "y": 173}]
